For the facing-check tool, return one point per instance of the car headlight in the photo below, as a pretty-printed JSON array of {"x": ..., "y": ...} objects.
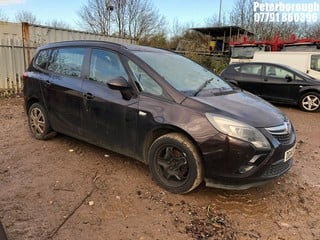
[{"x": 239, "y": 130}]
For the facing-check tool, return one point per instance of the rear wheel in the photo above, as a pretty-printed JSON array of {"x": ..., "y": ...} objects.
[
  {"x": 39, "y": 122},
  {"x": 175, "y": 163},
  {"x": 310, "y": 102}
]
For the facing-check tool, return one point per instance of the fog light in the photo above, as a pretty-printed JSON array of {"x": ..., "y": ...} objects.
[
  {"x": 255, "y": 158},
  {"x": 246, "y": 168}
]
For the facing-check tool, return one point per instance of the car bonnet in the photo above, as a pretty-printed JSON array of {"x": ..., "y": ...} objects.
[{"x": 245, "y": 107}]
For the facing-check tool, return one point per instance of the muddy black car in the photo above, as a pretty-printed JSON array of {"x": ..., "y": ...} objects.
[
  {"x": 163, "y": 109},
  {"x": 276, "y": 83}
]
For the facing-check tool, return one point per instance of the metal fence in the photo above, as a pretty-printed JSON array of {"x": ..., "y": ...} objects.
[{"x": 18, "y": 43}]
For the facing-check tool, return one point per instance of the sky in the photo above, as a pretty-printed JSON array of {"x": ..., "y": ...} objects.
[
  {"x": 185, "y": 11},
  {"x": 191, "y": 12}
]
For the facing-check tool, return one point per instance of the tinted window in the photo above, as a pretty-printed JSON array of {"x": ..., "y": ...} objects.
[
  {"x": 43, "y": 59},
  {"x": 144, "y": 82},
  {"x": 67, "y": 61},
  {"x": 251, "y": 69},
  {"x": 105, "y": 65},
  {"x": 278, "y": 72}
]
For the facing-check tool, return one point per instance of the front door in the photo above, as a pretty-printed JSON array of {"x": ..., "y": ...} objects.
[
  {"x": 108, "y": 120},
  {"x": 276, "y": 84}
]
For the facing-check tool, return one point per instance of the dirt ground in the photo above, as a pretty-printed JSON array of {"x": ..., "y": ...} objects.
[{"x": 66, "y": 189}]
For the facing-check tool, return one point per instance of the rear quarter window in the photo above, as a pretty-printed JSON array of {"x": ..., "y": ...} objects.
[{"x": 42, "y": 59}]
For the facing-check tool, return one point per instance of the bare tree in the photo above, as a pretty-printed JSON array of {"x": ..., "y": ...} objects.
[
  {"x": 126, "y": 18},
  {"x": 120, "y": 9},
  {"x": 58, "y": 24},
  {"x": 310, "y": 30},
  {"x": 213, "y": 21},
  {"x": 143, "y": 19},
  {"x": 94, "y": 16},
  {"x": 242, "y": 14},
  {"x": 25, "y": 16}
]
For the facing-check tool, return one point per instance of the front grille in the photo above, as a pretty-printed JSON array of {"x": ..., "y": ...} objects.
[
  {"x": 277, "y": 169},
  {"x": 283, "y": 139},
  {"x": 282, "y": 133}
]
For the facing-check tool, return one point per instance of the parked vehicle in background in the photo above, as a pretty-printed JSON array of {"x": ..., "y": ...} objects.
[
  {"x": 158, "y": 107},
  {"x": 276, "y": 83},
  {"x": 305, "y": 62}
]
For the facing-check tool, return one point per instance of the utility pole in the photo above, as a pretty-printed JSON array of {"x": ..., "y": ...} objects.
[
  {"x": 219, "y": 22},
  {"x": 109, "y": 9}
]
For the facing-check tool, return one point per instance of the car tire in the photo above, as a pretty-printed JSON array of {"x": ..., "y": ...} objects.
[
  {"x": 175, "y": 163},
  {"x": 310, "y": 102},
  {"x": 39, "y": 122}
]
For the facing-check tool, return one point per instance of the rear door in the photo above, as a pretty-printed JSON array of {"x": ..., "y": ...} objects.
[
  {"x": 108, "y": 120},
  {"x": 250, "y": 77},
  {"x": 61, "y": 89}
]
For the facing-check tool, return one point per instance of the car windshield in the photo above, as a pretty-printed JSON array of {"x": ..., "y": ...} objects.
[
  {"x": 182, "y": 73},
  {"x": 245, "y": 52}
]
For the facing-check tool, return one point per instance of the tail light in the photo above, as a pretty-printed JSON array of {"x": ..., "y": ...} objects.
[{"x": 24, "y": 76}]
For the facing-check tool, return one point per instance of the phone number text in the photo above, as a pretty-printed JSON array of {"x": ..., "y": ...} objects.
[{"x": 285, "y": 17}]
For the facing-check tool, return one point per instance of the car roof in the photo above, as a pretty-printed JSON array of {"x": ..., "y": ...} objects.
[
  {"x": 98, "y": 43},
  {"x": 251, "y": 63},
  {"x": 296, "y": 71},
  {"x": 268, "y": 63}
]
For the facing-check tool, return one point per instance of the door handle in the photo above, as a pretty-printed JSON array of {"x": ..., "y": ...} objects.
[
  {"x": 47, "y": 84},
  {"x": 265, "y": 79},
  {"x": 88, "y": 96}
]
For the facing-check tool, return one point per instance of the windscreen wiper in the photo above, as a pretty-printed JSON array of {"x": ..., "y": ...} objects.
[{"x": 203, "y": 86}]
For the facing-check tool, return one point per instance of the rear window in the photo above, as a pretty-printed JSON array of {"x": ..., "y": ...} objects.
[
  {"x": 251, "y": 69},
  {"x": 67, "y": 61}
]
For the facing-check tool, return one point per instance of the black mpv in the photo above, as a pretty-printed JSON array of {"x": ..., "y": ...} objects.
[{"x": 163, "y": 109}]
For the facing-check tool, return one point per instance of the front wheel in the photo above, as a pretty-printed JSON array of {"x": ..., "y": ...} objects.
[
  {"x": 39, "y": 122},
  {"x": 175, "y": 163},
  {"x": 310, "y": 102}
]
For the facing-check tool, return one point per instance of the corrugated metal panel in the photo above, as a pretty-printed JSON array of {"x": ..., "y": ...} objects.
[
  {"x": 19, "y": 43},
  {"x": 40, "y": 35},
  {"x": 12, "y": 58}
]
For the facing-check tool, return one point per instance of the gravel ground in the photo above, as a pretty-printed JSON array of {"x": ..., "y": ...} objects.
[{"x": 63, "y": 188}]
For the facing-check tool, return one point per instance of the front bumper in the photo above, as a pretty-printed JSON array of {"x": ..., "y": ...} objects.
[{"x": 234, "y": 164}]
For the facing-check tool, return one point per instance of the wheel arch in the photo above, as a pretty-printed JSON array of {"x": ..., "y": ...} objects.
[
  {"x": 303, "y": 91},
  {"x": 162, "y": 130},
  {"x": 30, "y": 102}
]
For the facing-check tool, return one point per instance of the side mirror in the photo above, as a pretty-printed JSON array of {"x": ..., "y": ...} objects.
[
  {"x": 121, "y": 84},
  {"x": 118, "y": 83},
  {"x": 289, "y": 78}
]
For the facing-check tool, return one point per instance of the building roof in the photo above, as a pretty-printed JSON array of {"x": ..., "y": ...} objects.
[{"x": 223, "y": 31}]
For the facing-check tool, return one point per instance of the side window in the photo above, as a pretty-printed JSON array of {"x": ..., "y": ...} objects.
[
  {"x": 105, "y": 65},
  {"x": 67, "y": 61},
  {"x": 42, "y": 59},
  {"x": 278, "y": 72},
  {"x": 144, "y": 82},
  {"x": 315, "y": 62},
  {"x": 251, "y": 69}
]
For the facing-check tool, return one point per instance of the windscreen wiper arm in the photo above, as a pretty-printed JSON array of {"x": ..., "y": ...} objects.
[{"x": 202, "y": 86}]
